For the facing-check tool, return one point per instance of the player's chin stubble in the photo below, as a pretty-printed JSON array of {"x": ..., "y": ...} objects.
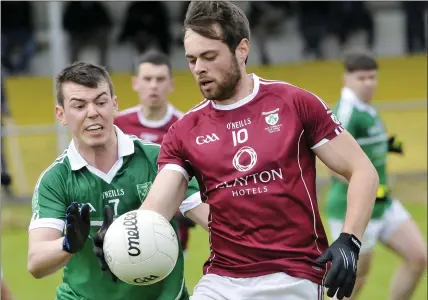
[{"x": 226, "y": 88}]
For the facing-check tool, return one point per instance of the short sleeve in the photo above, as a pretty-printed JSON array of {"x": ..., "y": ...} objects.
[
  {"x": 171, "y": 156},
  {"x": 192, "y": 197},
  {"x": 320, "y": 123},
  {"x": 49, "y": 202}
]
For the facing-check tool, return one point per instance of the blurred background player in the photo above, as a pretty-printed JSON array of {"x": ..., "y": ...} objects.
[
  {"x": 6, "y": 179},
  {"x": 390, "y": 224},
  {"x": 154, "y": 115}
]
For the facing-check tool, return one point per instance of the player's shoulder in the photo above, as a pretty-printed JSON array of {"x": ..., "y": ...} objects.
[
  {"x": 285, "y": 90},
  {"x": 176, "y": 113},
  {"x": 127, "y": 113},
  {"x": 191, "y": 118},
  {"x": 59, "y": 170},
  {"x": 146, "y": 148}
]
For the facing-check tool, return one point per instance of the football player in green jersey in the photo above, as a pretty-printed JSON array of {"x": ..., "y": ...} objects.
[
  {"x": 102, "y": 173},
  {"x": 390, "y": 224}
]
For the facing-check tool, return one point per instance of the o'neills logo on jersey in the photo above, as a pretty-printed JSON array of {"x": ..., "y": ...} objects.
[
  {"x": 130, "y": 224},
  {"x": 253, "y": 184},
  {"x": 239, "y": 124}
]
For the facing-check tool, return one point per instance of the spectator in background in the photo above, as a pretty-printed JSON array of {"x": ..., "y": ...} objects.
[
  {"x": 17, "y": 39},
  {"x": 313, "y": 18},
  {"x": 267, "y": 19},
  {"x": 415, "y": 26},
  {"x": 347, "y": 17},
  {"x": 147, "y": 25},
  {"x": 88, "y": 24},
  {"x": 6, "y": 179}
]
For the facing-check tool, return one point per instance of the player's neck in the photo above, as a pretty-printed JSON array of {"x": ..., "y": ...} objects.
[
  {"x": 102, "y": 158},
  {"x": 154, "y": 114},
  {"x": 244, "y": 88}
]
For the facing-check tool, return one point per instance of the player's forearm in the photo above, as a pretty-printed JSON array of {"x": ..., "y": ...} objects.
[
  {"x": 199, "y": 215},
  {"x": 339, "y": 177},
  {"x": 47, "y": 257},
  {"x": 362, "y": 188},
  {"x": 166, "y": 200}
]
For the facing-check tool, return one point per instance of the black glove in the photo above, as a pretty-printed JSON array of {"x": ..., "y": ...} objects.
[
  {"x": 77, "y": 226},
  {"x": 99, "y": 240},
  {"x": 343, "y": 254},
  {"x": 382, "y": 193},
  {"x": 395, "y": 145},
  {"x": 183, "y": 221}
]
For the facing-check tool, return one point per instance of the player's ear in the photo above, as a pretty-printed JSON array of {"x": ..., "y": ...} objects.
[
  {"x": 171, "y": 84},
  {"x": 115, "y": 104},
  {"x": 59, "y": 112},
  {"x": 242, "y": 50},
  {"x": 345, "y": 78},
  {"x": 134, "y": 83}
]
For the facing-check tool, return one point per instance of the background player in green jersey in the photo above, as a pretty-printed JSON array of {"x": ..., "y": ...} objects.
[
  {"x": 102, "y": 172},
  {"x": 390, "y": 224}
]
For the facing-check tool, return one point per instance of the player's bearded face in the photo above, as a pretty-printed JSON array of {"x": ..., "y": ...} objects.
[
  {"x": 224, "y": 84},
  {"x": 89, "y": 113}
]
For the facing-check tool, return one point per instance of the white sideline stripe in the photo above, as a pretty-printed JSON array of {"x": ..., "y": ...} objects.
[{"x": 410, "y": 104}]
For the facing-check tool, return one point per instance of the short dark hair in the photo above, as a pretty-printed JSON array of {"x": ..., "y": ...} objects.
[
  {"x": 359, "y": 60},
  {"x": 202, "y": 16},
  {"x": 154, "y": 57},
  {"x": 86, "y": 74}
]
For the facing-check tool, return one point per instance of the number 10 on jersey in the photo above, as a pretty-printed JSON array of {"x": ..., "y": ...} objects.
[{"x": 240, "y": 136}]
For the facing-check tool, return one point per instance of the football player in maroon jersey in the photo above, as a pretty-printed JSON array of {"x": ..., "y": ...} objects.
[{"x": 252, "y": 145}]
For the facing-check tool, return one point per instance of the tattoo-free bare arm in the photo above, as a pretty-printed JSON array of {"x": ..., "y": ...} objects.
[
  {"x": 199, "y": 215},
  {"x": 344, "y": 156},
  {"x": 166, "y": 194},
  {"x": 45, "y": 254}
]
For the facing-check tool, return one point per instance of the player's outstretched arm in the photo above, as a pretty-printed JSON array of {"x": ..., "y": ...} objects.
[
  {"x": 199, "y": 215},
  {"x": 45, "y": 254},
  {"x": 48, "y": 251},
  {"x": 344, "y": 156},
  {"x": 166, "y": 194}
]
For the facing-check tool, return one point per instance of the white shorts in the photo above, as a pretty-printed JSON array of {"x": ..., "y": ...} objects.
[
  {"x": 377, "y": 229},
  {"x": 276, "y": 286}
]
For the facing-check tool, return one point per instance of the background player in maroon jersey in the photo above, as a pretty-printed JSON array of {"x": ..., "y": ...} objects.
[
  {"x": 252, "y": 145},
  {"x": 152, "y": 117}
]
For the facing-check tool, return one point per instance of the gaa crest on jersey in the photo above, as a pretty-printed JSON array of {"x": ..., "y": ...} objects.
[
  {"x": 143, "y": 189},
  {"x": 272, "y": 118}
]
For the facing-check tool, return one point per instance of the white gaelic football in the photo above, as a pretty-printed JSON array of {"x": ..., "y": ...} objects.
[{"x": 141, "y": 247}]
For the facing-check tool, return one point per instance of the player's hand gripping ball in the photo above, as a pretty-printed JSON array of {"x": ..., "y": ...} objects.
[{"x": 141, "y": 247}]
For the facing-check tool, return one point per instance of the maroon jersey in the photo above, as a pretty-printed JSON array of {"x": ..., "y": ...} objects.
[
  {"x": 132, "y": 121},
  {"x": 256, "y": 169}
]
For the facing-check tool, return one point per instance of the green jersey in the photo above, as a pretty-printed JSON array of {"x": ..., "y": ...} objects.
[
  {"x": 363, "y": 122},
  {"x": 124, "y": 187}
]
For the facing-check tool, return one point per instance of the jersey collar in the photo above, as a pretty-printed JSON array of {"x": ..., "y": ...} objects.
[
  {"x": 158, "y": 123},
  {"x": 348, "y": 95},
  {"x": 125, "y": 148},
  {"x": 242, "y": 101}
]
